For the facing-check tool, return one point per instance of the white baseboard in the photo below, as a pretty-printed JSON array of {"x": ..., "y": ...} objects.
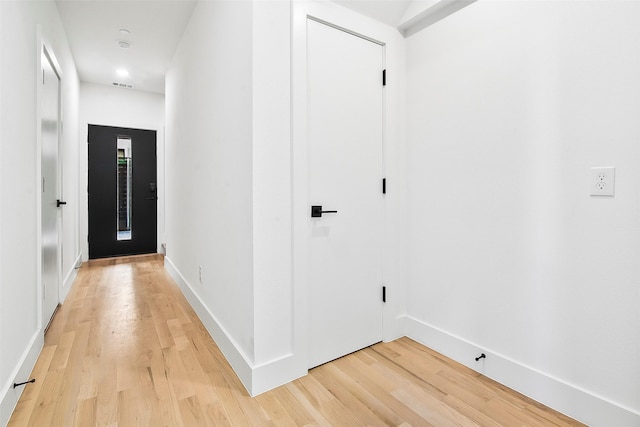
[
  {"x": 552, "y": 392},
  {"x": 393, "y": 329},
  {"x": 69, "y": 278},
  {"x": 237, "y": 359},
  {"x": 256, "y": 379},
  {"x": 8, "y": 395},
  {"x": 275, "y": 373}
]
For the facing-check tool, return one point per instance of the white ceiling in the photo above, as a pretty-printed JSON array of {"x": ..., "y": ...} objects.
[
  {"x": 93, "y": 29},
  {"x": 389, "y": 12},
  {"x": 156, "y": 27}
]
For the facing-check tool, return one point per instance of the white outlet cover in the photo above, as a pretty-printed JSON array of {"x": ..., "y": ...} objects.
[{"x": 603, "y": 180}]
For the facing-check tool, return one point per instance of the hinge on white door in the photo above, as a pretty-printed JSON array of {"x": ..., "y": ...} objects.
[
  {"x": 384, "y": 294},
  {"x": 384, "y": 77},
  {"x": 384, "y": 185}
]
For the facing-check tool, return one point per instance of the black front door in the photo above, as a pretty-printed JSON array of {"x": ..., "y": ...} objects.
[{"x": 122, "y": 191}]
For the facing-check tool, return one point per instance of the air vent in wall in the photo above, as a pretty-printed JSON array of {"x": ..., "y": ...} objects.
[{"x": 124, "y": 85}]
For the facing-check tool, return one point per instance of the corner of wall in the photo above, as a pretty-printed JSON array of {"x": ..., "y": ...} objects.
[
  {"x": 256, "y": 379},
  {"x": 231, "y": 351},
  {"x": 9, "y": 396},
  {"x": 432, "y": 12},
  {"x": 275, "y": 373},
  {"x": 70, "y": 277},
  {"x": 566, "y": 398}
]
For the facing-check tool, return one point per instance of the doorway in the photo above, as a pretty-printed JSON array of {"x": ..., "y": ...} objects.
[
  {"x": 122, "y": 191},
  {"x": 51, "y": 203},
  {"x": 344, "y": 149}
]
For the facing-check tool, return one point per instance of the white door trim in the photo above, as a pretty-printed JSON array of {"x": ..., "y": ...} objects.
[
  {"x": 44, "y": 47},
  {"x": 346, "y": 100},
  {"x": 352, "y": 22}
]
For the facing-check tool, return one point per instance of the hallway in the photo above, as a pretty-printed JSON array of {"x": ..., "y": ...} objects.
[{"x": 126, "y": 349}]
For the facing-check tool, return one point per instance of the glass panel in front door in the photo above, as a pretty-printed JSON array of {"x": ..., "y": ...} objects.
[{"x": 125, "y": 164}]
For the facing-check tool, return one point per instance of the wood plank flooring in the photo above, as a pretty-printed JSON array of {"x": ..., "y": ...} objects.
[{"x": 126, "y": 349}]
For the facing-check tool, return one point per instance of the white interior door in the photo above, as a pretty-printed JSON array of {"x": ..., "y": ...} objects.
[
  {"x": 345, "y": 137},
  {"x": 49, "y": 122}
]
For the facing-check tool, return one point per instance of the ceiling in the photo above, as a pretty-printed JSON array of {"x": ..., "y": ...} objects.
[
  {"x": 389, "y": 12},
  {"x": 155, "y": 28}
]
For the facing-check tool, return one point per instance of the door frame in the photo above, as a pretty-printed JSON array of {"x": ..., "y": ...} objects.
[
  {"x": 116, "y": 132},
  {"x": 44, "y": 48},
  {"x": 393, "y": 99},
  {"x": 326, "y": 347},
  {"x": 113, "y": 120}
]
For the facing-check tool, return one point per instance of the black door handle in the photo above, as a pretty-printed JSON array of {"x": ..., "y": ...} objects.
[
  {"x": 316, "y": 211},
  {"x": 60, "y": 203}
]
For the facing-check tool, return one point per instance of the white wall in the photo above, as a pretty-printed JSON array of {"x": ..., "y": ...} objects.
[
  {"x": 112, "y": 106},
  {"x": 230, "y": 172},
  {"x": 20, "y": 307},
  {"x": 510, "y": 105},
  {"x": 272, "y": 204},
  {"x": 209, "y": 177},
  {"x": 228, "y": 129},
  {"x": 1, "y": 145}
]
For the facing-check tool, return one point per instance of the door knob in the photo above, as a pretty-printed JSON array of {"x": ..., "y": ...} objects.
[
  {"x": 60, "y": 203},
  {"x": 316, "y": 211}
]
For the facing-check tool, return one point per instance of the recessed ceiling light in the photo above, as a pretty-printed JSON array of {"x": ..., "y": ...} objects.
[
  {"x": 122, "y": 72},
  {"x": 124, "y": 31},
  {"x": 124, "y": 44}
]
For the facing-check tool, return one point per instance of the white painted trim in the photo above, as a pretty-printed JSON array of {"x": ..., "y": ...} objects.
[
  {"x": 275, "y": 373},
  {"x": 395, "y": 329},
  {"x": 9, "y": 396},
  {"x": 256, "y": 379},
  {"x": 299, "y": 184},
  {"x": 236, "y": 357},
  {"x": 346, "y": 30},
  {"x": 69, "y": 278},
  {"x": 430, "y": 15},
  {"x": 85, "y": 119},
  {"x": 569, "y": 399},
  {"x": 44, "y": 48},
  {"x": 1, "y": 240},
  {"x": 38, "y": 177},
  {"x": 339, "y": 17}
]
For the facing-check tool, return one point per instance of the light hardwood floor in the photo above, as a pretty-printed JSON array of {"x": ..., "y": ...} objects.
[{"x": 126, "y": 349}]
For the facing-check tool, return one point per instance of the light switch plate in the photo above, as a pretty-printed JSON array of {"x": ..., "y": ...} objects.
[{"x": 603, "y": 180}]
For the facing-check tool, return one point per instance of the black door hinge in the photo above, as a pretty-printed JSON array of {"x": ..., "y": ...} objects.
[
  {"x": 384, "y": 185},
  {"x": 384, "y": 77},
  {"x": 384, "y": 294}
]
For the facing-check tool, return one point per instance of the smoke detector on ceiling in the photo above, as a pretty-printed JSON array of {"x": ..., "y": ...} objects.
[
  {"x": 123, "y": 85},
  {"x": 124, "y": 44}
]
